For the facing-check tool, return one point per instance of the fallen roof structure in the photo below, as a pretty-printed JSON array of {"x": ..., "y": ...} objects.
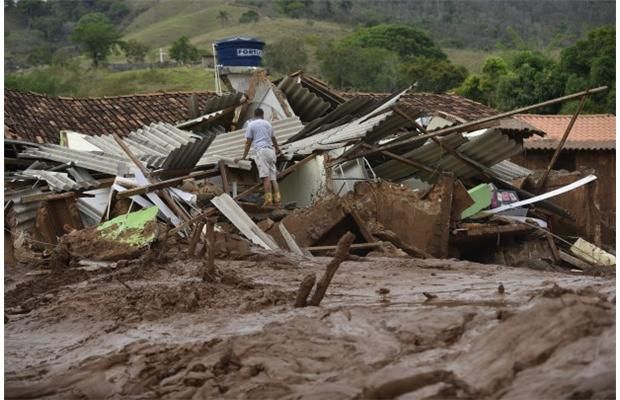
[{"x": 428, "y": 143}]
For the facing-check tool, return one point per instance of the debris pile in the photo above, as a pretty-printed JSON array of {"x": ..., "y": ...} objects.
[{"x": 408, "y": 174}]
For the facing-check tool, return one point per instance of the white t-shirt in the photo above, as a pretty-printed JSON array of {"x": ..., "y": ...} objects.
[{"x": 260, "y": 132}]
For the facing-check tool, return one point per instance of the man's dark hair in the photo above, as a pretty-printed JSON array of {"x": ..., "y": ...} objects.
[{"x": 259, "y": 112}]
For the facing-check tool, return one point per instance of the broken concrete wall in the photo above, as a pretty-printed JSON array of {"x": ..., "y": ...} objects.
[
  {"x": 420, "y": 222},
  {"x": 309, "y": 225}
]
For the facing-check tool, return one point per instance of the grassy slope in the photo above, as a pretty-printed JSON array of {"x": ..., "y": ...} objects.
[
  {"x": 80, "y": 82},
  {"x": 19, "y": 41},
  {"x": 471, "y": 59},
  {"x": 165, "y": 22}
]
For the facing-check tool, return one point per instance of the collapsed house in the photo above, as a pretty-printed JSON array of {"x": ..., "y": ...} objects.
[
  {"x": 591, "y": 146},
  {"x": 409, "y": 174}
]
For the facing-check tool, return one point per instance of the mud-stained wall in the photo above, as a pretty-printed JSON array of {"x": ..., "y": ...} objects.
[
  {"x": 423, "y": 223},
  {"x": 604, "y": 165}
]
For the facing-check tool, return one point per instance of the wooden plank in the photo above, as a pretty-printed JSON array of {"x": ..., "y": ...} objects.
[
  {"x": 554, "y": 249},
  {"x": 235, "y": 214},
  {"x": 353, "y": 246},
  {"x": 288, "y": 238},
  {"x": 167, "y": 183},
  {"x": 49, "y": 196},
  {"x": 224, "y": 175}
]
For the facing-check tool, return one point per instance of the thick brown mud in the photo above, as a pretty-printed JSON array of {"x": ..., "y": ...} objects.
[{"x": 387, "y": 328}]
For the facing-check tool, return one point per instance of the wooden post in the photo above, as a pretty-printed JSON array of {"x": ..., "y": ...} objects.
[
  {"x": 224, "y": 176},
  {"x": 304, "y": 290},
  {"x": 342, "y": 252},
  {"x": 209, "y": 265},
  {"x": 541, "y": 183},
  {"x": 196, "y": 233}
]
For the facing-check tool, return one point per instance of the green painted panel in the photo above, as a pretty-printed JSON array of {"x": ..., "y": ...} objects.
[
  {"x": 131, "y": 228},
  {"x": 481, "y": 195}
]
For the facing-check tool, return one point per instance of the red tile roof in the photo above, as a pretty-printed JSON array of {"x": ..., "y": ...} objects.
[
  {"x": 454, "y": 107},
  {"x": 590, "y": 132},
  {"x": 39, "y": 118}
]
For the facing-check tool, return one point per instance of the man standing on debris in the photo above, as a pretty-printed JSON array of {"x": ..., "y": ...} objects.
[{"x": 259, "y": 134}]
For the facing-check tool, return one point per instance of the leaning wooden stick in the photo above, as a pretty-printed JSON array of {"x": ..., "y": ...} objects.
[
  {"x": 342, "y": 252},
  {"x": 195, "y": 237},
  {"x": 209, "y": 266},
  {"x": 304, "y": 290}
]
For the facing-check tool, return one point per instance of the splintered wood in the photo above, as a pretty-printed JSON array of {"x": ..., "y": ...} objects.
[{"x": 342, "y": 253}]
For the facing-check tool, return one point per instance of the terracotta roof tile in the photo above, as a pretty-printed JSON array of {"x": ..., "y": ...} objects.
[
  {"x": 39, "y": 118},
  {"x": 454, "y": 107},
  {"x": 590, "y": 132}
]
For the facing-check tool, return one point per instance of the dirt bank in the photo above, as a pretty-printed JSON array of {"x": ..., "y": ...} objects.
[{"x": 151, "y": 330}]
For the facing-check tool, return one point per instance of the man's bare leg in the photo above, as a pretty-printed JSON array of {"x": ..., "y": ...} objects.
[
  {"x": 276, "y": 192},
  {"x": 268, "y": 195}
]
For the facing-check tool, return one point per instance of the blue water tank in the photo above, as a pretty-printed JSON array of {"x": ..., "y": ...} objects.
[{"x": 239, "y": 52}]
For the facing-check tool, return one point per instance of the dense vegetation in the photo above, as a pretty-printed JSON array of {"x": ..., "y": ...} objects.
[
  {"x": 526, "y": 76},
  {"x": 354, "y": 45}
]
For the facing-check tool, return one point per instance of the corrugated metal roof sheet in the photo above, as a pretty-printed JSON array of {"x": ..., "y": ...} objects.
[
  {"x": 488, "y": 148},
  {"x": 345, "y": 112},
  {"x": 57, "y": 181},
  {"x": 21, "y": 217},
  {"x": 590, "y": 132},
  {"x": 508, "y": 171},
  {"x": 335, "y": 137},
  {"x": 158, "y": 145},
  {"x": 305, "y": 104},
  {"x": 105, "y": 163},
  {"x": 379, "y": 122},
  {"x": 231, "y": 144}
]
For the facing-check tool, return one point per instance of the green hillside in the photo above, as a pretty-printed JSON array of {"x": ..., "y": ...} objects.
[{"x": 162, "y": 24}]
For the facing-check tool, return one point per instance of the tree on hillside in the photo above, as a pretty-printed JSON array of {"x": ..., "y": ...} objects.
[
  {"x": 249, "y": 16},
  {"x": 96, "y": 36},
  {"x": 286, "y": 56},
  {"x": 183, "y": 51},
  {"x": 290, "y": 8},
  {"x": 52, "y": 27},
  {"x": 135, "y": 52},
  {"x": 357, "y": 68},
  {"x": 405, "y": 40},
  {"x": 31, "y": 9},
  {"x": 430, "y": 75},
  {"x": 520, "y": 79},
  {"x": 589, "y": 63},
  {"x": 223, "y": 17}
]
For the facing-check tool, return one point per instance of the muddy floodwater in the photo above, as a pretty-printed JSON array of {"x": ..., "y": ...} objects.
[{"x": 387, "y": 328}]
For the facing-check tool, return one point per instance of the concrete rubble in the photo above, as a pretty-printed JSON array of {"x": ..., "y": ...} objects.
[{"x": 406, "y": 198}]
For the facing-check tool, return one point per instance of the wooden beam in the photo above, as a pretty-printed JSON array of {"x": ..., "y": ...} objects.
[
  {"x": 353, "y": 246},
  {"x": 49, "y": 196},
  {"x": 473, "y": 124},
  {"x": 167, "y": 183},
  {"x": 131, "y": 156},
  {"x": 224, "y": 175},
  {"x": 342, "y": 252},
  {"x": 541, "y": 183},
  {"x": 404, "y": 160}
]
